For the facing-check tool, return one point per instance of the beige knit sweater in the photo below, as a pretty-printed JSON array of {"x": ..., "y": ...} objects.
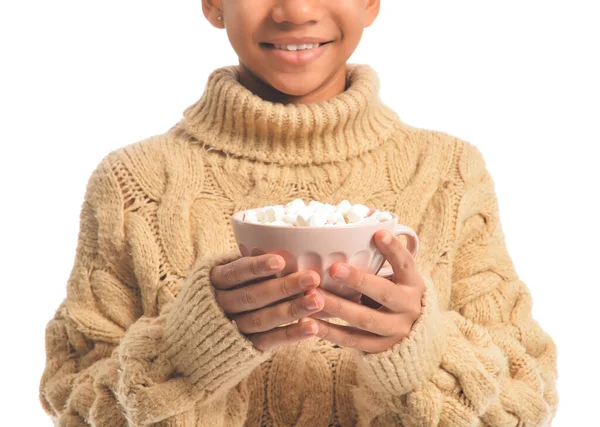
[{"x": 139, "y": 339}]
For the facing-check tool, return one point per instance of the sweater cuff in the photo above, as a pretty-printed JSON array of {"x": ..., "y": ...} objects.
[
  {"x": 413, "y": 360},
  {"x": 200, "y": 341}
]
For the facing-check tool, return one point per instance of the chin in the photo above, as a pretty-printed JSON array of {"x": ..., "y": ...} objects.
[
  {"x": 295, "y": 91},
  {"x": 296, "y": 85}
]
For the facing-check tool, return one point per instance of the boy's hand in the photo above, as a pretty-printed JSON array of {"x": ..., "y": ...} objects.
[
  {"x": 259, "y": 303},
  {"x": 374, "y": 330}
]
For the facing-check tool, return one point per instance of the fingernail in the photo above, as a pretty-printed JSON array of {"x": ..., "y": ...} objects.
[
  {"x": 312, "y": 304},
  {"x": 306, "y": 280},
  {"x": 342, "y": 272},
  {"x": 273, "y": 263},
  {"x": 310, "y": 329},
  {"x": 387, "y": 238}
]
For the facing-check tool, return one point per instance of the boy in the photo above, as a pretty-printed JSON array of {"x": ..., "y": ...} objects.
[{"x": 166, "y": 324}]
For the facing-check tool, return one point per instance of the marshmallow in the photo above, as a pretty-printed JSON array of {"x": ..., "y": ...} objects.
[
  {"x": 295, "y": 206},
  {"x": 315, "y": 206},
  {"x": 303, "y": 217},
  {"x": 384, "y": 216},
  {"x": 370, "y": 220},
  {"x": 291, "y": 219},
  {"x": 281, "y": 223},
  {"x": 263, "y": 215},
  {"x": 328, "y": 209},
  {"x": 343, "y": 207},
  {"x": 260, "y": 215},
  {"x": 316, "y": 214},
  {"x": 275, "y": 212},
  {"x": 357, "y": 213},
  {"x": 335, "y": 217},
  {"x": 317, "y": 220},
  {"x": 250, "y": 216}
]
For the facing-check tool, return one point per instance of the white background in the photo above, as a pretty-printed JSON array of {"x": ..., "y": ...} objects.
[{"x": 516, "y": 78}]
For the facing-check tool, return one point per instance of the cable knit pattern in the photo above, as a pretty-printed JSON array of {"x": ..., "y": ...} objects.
[
  {"x": 140, "y": 340},
  {"x": 498, "y": 367}
]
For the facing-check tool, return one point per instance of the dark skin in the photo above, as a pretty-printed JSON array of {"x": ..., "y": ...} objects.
[
  {"x": 273, "y": 311},
  {"x": 249, "y": 23},
  {"x": 263, "y": 306}
]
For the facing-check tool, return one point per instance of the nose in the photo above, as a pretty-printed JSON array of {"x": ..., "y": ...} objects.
[{"x": 298, "y": 11}]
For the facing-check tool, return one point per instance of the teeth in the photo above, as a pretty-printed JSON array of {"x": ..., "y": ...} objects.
[{"x": 293, "y": 47}]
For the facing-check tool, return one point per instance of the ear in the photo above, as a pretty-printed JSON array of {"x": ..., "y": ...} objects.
[
  {"x": 212, "y": 11},
  {"x": 371, "y": 11}
]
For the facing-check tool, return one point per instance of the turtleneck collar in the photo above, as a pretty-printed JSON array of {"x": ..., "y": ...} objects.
[{"x": 230, "y": 118}]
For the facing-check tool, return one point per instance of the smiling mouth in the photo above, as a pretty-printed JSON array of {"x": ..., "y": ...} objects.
[{"x": 294, "y": 48}]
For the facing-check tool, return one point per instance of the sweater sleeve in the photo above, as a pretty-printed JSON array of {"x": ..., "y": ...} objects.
[
  {"x": 108, "y": 363},
  {"x": 483, "y": 360}
]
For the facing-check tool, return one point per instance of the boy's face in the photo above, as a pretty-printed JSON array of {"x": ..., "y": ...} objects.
[{"x": 255, "y": 26}]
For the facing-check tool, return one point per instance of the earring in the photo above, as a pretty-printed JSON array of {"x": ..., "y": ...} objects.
[{"x": 219, "y": 18}]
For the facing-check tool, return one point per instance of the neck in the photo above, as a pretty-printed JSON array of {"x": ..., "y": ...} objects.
[{"x": 332, "y": 87}]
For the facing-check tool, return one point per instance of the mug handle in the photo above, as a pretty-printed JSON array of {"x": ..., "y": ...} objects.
[{"x": 412, "y": 244}]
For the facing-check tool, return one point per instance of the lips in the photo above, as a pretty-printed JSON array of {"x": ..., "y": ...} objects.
[
  {"x": 295, "y": 58},
  {"x": 272, "y": 45},
  {"x": 298, "y": 40}
]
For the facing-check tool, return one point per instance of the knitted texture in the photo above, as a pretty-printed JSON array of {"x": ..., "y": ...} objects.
[{"x": 139, "y": 339}]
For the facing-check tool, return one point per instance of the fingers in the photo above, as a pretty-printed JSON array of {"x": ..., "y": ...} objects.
[
  {"x": 402, "y": 262},
  {"x": 324, "y": 315},
  {"x": 245, "y": 270},
  {"x": 379, "y": 289},
  {"x": 377, "y": 322},
  {"x": 284, "y": 335},
  {"x": 350, "y": 337},
  {"x": 267, "y": 292},
  {"x": 271, "y": 317},
  {"x": 320, "y": 315}
]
